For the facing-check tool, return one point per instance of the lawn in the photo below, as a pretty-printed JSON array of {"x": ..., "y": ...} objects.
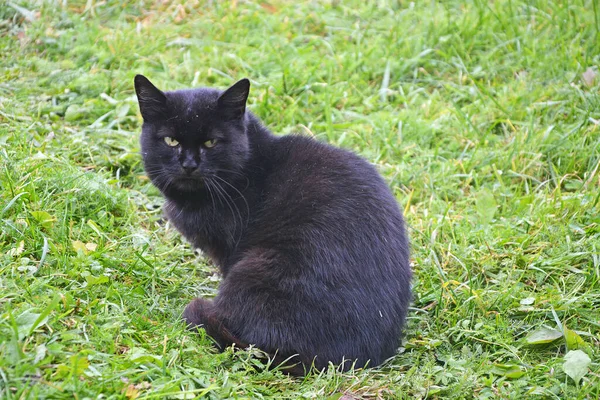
[{"x": 483, "y": 117}]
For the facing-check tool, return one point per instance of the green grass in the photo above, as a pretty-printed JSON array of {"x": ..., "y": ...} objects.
[{"x": 477, "y": 113}]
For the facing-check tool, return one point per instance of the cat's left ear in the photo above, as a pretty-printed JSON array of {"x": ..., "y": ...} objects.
[{"x": 232, "y": 102}]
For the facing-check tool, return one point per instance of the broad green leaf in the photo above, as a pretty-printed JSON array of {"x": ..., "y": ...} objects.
[
  {"x": 140, "y": 356},
  {"x": 511, "y": 371},
  {"x": 75, "y": 367},
  {"x": 43, "y": 317},
  {"x": 28, "y": 321},
  {"x": 43, "y": 218},
  {"x": 62, "y": 370},
  {"x": 40, "y": 353},
  {"x": 79, "y": 364},
  {"x": 74, "y": 112},
  {"x": 574, "y": 341},
  {"x": 79, "y": 246},
  {"x": 431, "y": 390},
  {"x": 13, "y": 351},
  {"x": 486, "y": 206},
  {"x": 527, "y": 301},
  {"x": 543, "y": 335},
  {"x": 576, "y": 364},
  {"x": 96, "y": 280}
]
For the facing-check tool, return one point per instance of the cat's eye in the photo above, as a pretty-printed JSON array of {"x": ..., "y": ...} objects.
[
  {"x": 210, "y": 143},
  {"x": 171, "y": 142}
]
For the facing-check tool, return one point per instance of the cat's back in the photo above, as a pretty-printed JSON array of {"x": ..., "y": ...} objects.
[
  {"x": 300, "y": 154},
  {"x": 332, "y": 202},
  {"x": 314, "y": 176}
]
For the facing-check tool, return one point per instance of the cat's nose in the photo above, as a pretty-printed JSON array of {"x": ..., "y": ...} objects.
[{"x": 189, "y": 166}]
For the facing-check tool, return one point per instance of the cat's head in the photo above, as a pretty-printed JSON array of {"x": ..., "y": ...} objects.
[{"x": 191, "y": 138}]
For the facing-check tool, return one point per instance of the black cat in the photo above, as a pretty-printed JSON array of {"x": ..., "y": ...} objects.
[{"x": 308, "y": 237}]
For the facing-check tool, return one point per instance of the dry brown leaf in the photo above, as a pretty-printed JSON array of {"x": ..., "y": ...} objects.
[
  {"x": 91, "y": 246},
  {"x": 132, "y": 392}
]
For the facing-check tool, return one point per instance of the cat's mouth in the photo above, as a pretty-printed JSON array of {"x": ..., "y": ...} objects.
[{"x": 189, "y": 183}]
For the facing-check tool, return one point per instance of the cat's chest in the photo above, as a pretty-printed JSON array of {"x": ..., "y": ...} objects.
[
  {"x": 193, "y": 224},
  {"x": 203, "y": 228}
]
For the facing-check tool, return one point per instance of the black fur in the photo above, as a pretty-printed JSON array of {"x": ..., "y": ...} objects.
[{"x": 308, "y": 237}]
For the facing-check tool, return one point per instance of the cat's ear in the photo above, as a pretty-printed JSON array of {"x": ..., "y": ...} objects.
[
  {"x": 153, "y": 102},
  {"x": 232, "y": 102}
]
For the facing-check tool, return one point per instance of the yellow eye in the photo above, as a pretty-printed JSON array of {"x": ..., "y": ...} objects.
[
  {"x": 210, "y": 143},
  {"x": 171, "y": 142}
]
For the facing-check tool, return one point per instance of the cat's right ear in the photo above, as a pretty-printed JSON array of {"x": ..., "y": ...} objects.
[
  {"x": 153, "y": 102},
  {"x": 232, "y": 102}
]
